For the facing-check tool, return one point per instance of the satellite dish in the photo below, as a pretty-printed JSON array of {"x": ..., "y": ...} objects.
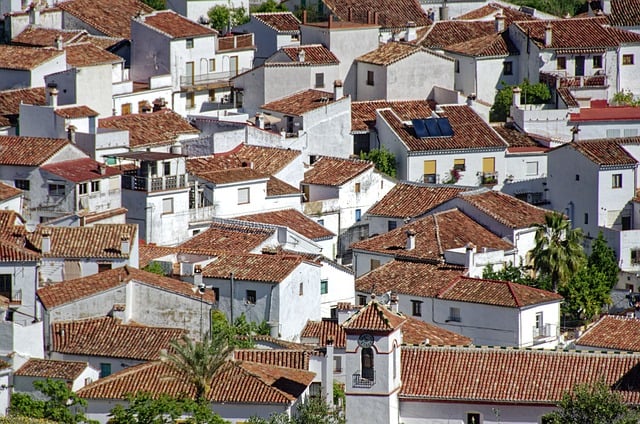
[{"x": 384, "y": 299}]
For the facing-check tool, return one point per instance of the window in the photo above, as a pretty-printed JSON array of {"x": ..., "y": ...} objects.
[
  {"x": 616, "y": 181},
  {"x": 243, "y": 196},
  {"x": 251, "y": 297},
  {"x": 613, "y": 133},
  {"x": 366, "y": 359},
  {"x": 358, "y": 215},
  {"x": 362, "y": 300},
  {"x": 324, "y": 286},
  {"x": 370, "y": 78},
  {"x": 458, "y": 164},
  {"x": 319, "y": 80},
  {"x": 539, "y": 322},
  {"x": 212, "y": 65},
  {"x": 635, "y": 256},
  {"x": 577, "y": 177},
  {"x": 105, "y": 370},
  {"x": 166, "y": 168},
  {"x": 507, "y": 68},
  {"x": 22, "y": 184},
  {"x": 357, "y": 188},
  {"x": 301, "y": 289},
  {"x": 631, "y": 132},
  {"x": 216, "y": 293},
  {"x": 337, "y": 364},
  {"x": 473, "y": 418},
  {"x": 153, "y": 169},
  {"x": 454, "y": 314},
  {"x": 191, "y": 100},
  {"x": 5, "y": 285},
  {"x": 189, "y": 43},
  {"x": 457, "y": 65},
  {"x": 321, "y": 222},
  {"x": 104, "y": 267},
  {"x": 95, "y": 186},
  {"x": 125, "y": 109},
  {"x": 561, "y": 63},
  {"x": 627, "y": 59},
  {"x": 56, "y": 189},
  {"x": 597, "y": 62},
  {"x": 532, "y": 168},
  {"x": 586, "y": 218},
  {"x": 626, "y": 223},
  {"x": 429, "y": 171},
  {"x": 167, "y": 205},
  {"x": 82, "y": 188},
  {"x": 392, "y": 225},
  {"x": 416, "y": 308},
  {"x": 374, "y": 263}
]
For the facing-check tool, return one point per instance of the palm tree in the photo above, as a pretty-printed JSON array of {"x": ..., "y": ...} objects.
[
  {"x": 196, "y": 362},
  {"x": 558, "y": 252}
]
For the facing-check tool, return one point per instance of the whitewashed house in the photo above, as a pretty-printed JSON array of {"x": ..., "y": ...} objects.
[
  {"x": 11, "y": 198},
  {"x": 196, "y": 10},
  {"x": 76, "y": 374},
  {"x": 25, "y": 67},
  {"x": 272, "y": 31},
  {"x": 199, "y": 61},
  {"x": 397, "y": 71}
]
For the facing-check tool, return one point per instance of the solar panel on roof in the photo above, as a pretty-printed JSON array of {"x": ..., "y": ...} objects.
[
  {"x": 432, "y": 128},
  {"x": 445, "y": 127},
  {"x": 419, "y": 128}
]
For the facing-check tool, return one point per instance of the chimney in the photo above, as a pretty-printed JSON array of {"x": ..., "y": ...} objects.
[
  {"x": 515, "y": 98},
  {"x": 259, "y": 121},
  {"x": 327, "y": 373},
  {"x": 394, "y": 302},
  {"x": 368, "y": 16},
  {"x": 330, "y": 21},
  {"x": 411, "y": 34},
  {"x": 411, "y": 240},
  {"x": 499, "y": 22},
  {"x": 58, "y": 43},
  {"x": 301, "y": 55},
  {"x": 338, "y": 92},
  {"x": 34, "y": 15},
  {"x": 125, "y": 244},
  {"x": 102, "y": 169},
  {"x": 548, "y": 35},
  {"x": 375, "y": 18},
  {"x": 470, "y": 253},
  {"x": 52, "y": 95},
  {"x": 46, "y": 242},
  {"x": 349, "y": 14},
  {"x": 197, "y": 276},
  {"x": 71, "y": 133},
  {"x": 304, "y": 16},
  {"x": 444, "y": 12},
  {"x": 470, "y": 99}
]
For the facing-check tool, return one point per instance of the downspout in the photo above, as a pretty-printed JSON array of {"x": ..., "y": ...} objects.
[{"x": 232, "y": 297}]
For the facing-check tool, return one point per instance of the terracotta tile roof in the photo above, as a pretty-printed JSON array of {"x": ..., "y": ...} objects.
[
  {"x": 277, "y": 187},
  {"x": 486, "y": 46},
  {"x": 98, "y": 241},
  {"x": 107, "y": 336},
  {"x": 409, "y": 278},
  {"x": 297, "y": 359},
  {"x": 409, "y": 200},
  {"x": 489, "y": 375},
  {"x": 88, "y": 54},
  {"x": 498, "y": 293},
  {"x": 48, "y": 368},
  {"x": 25, "y": 58},
  {"x": 314, "y": 54},
  {"x": 103, "y": 42},
  {"x": 249, "y": 267},
  {"x": 293, "y": 219},
  {"x": 577, "y": 34},
  {"x": 389, "y": 53},
  {"x": 418, "y": 332},
  {"x": 14, "y": 253},
  {"x": 324, "y": 330},
  {"x": 112, "y": 18},
  {"x": 609, "y": 113},
  {"x": 285, "y": 22},
  {"x": 38, "y": 36},
  {"x": 567, "y": 96},
  {"x": 175, "y": 25},
  {"x": 81, "y": 288},
  {"x": 28, "y": 151},
  {"x": 10, "y": 99},
  {"x": 332, "y": 171},
  {"x": 73, "y": 112},
  {"x": 79, "y": 170},
  {"x": 4, "y": 122},
  {"x": 374, "y": 317},
  {"x": 8, "y": 192},
  {"x": 515, "y": 138},
  {"x": 148, "y": 252},
  {"x": 300, "y": 103},
  {"x": 469, "y": 131},
  {"x": 614, "y": 333},
  {"x": 506, "y": 209},
  {"x": 234, "y": 382},
  {"x": 363, "y": 114},
  {"x": 150, "y": 129},
  {"x": 434, "y": 234},
  {"x": 262, "y": 339},
  {"x": 268, "y": 160},
  {"x": 604, "y": 152},
  {"x": 391, "y": 14},
  {"x": 229, "y": 237},
  {"x": 625, "y": 13},
  {"x": 491, "y": 9},
  {"x": 447, "y": 33},
  {"x": 229, "y": 176}
]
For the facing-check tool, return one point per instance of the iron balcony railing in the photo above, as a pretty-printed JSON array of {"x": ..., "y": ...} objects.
[
  {"x": 150, "y": 184},
  {"x": 209, "y": 78},
  {"x": 364, "y": 380}
]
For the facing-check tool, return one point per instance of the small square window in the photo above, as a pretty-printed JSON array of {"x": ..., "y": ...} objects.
[
  {"x": 82, "y": 188},
  {"x": 357, "y": 188},
  {"x": 392, "y": 225},
  {"x": 22, "y": 184},
  {"x": 561, "y": 63},
  {"x": 597, "y": 62},
  {"x": 616, "y": 181},
  {"x": 95, "y": 186},
  {"x": 167, "y": 205},
  {"x": 189, "y": 43},
  {"x": 362, "y": 300},
  {"x": 577, "y": 177},
  {"x": 459, "y": 165},
  {"x": 56, "y": 189},
  {"x": 251, "y": 297},
  {"x": 243, "y": 196},
  {"x": 454, "y": 314},
  {"x": 319, "y": 80},
  {"x": 507, "y": 68},
  {"x": 532, "y": 168},
  {"x": 416, "y": 308},
  {"x": 370, "y": 78},
  {"x": 374, "y": 263},
  {"x": 324, "y": 286},
  {"x": 473, "y": 418},
  {"x": 321, "y": 222},
  {"x": 105, "y": 370},
  {"x": 627, "y": 59}
]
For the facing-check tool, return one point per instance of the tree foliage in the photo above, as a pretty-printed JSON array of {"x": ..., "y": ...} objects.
[
  {"x": 603, "y": 259},
  {"x": 61, "y": 404},
  {"x": 223, "y": 18},
  {"x": 384, "y": 160},
  {"x": 555, "y": 7},
  {"x": 241, "y": 333},
  {"x": 156, "y": 4},
  {"x": 537, "y": 93},
  {"x": 143, "y": 408},
  {"x": 593, "y": 404},
  {"x": 312, "y": 411},
  {"x": 154, "y": 268},
  {"x": 268, "y": 6},
  {"x": 520, "y": 275},
  {"x": 625, "y": 98}
]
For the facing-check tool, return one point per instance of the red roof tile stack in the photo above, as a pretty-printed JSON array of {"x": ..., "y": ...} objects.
[
  {"x": 175, "y": 25},
  {"x": 88, "y": 54},
  {"x": 389, "y": 53},
  {"x": 293, "y": 219},
  {"x": 393, "y": 14},
  {"x": 264, "y": 268},
  {"x": 363, "y": 114},
  {"x": 376, "y": 318},
  {"x": 25, "y": 58},
  {"x": 314, "y": 54},
  {"x": 297, "y": 359},
  {"x": 506, "y": 209},
  {"x": 229, "y": 237},
  {"x": 410, "y": 200},
  {"x": 48, "y": 368},
  {"x": 29, "y": 151},
  {"x": 614, "y": 333},
  {"x": 300, "y": 103},
  {"x": 285, "y": 22},
  {"x": 268, "y": 160},
  {"x": 331, "y": 171}
]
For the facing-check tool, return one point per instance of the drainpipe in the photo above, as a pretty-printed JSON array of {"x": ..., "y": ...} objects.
[{"x": 232, "y": 297}]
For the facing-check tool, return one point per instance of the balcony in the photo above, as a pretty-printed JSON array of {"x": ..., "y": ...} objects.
[
  {"x": 363, "y": 381},
  {"x": 236, "y": 42},
  {"x": 560, "y": 80},
  {"x": 210, "y": 80},
  {"x": 544, "y": 333},
  {"x": 133, "y": 182},
  {"x": 489, "y": 178},
  {"x": 201, "y": 214}
]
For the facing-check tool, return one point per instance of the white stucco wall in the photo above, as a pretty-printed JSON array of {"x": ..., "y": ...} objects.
[{"x": 456, "y": 413}]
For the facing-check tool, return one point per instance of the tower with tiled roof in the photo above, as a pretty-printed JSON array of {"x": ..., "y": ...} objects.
[{"x": 372, "y": 364}]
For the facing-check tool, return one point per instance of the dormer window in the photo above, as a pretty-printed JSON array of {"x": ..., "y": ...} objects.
[{"x": 189, "y": 43}]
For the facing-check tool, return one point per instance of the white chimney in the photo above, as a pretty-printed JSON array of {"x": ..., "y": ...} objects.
[
  {"x": 301, "y": 55},
  {"x": 197, "y": 276},
  {"x": 59, "y": 43},
  {"x": 338, "y": 90},
  {"x": 470, "y": 99},
  {"x": 125, "y": 244},
  {"x": 499, "y": 23},
  {"x": 52, "y": 92},
  {"x": 327, "y": 373},
  {"x": 411, "y": 240},
  {"x": 548, "y": 35},
  {"x": 393, "y": 299},
  {"x": 515, "y": 98},
  {"x": 470, "y": 253},
  {"x": 46, "y": 242},
  {"x": 259, "y": 121},
  {"x": 411, "y": 34},
  {"x": 34, "y": 15}
]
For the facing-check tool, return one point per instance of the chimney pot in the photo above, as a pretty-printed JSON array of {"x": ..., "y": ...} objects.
[
  {"x": 197, "y": 276},
  {"x": 499, "y": 24},
  {"x": 304, "y": 16},
  {"x": 125, "y": 244},
  {"x": 46, "y": 242},
  {"x": 338, "y": 92},
  {"x": 411, "y": 240},
  {"x": 301, "y": 55},
  {"x": 411, "y": 33},
  {"x": 548, "y": 35}
]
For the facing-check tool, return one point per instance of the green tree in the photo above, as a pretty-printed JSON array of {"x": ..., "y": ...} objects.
[
  {"x": 384, "y": 160},
  {"x": 312, "y": 411},
  {"x": 154, "y": 268},
  {"x": 198, "y": 361},
  {"x": 520, "y": 275},
  {"x": 531, "y": 94},
  {"x": 593, "y": 404},
  {"x": 558, "y": 252},
  {"x": 603, "y": 259},
  {"x": 555, "y": 7},
  {"x": 156, "y": 4},
  {"x": 223, "y": 18},
  {"x": 143, "y": 408},
  {"x": 585, "y": 294},
  {"x": 269, "y": 6},
  {"x": 62, "y": 405}
]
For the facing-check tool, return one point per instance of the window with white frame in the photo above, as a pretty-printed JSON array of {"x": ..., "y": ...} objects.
[
  {"x": 22, "y": 184},
  {"x": 597, "y": 61},
  {"x": 627, "y": 59},
  {"x": 212, "y": 65},
  {"x": 56, "y": 189},
  {"x": 454, "y": 314},
  {"x": 616, "y": 181},
  {"x": 532, "y": 168},
  {"x": 324, "y": 286},
  {"x": 243, "y": 196},
  {"x": 189, "y": 43},
  {"x": 167, "y": 205},
  {"x": 95, "y": 186},
  {"x": 82, "y": 188},
  {"x": 416, "y": 308},
  {"x": 251, "y": 297}
]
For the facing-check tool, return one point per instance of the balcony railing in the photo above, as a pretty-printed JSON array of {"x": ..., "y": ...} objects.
[
  {"x": 489, "y": 178},
  {"x": 202, "y": 213},
  {"x": 243, "y": 41},
  {"x": 544, "y": 332},
  {"x": 209, "y": 78},
  {"x": 560, "y": 80},
  {"x": 133, "y": 182},
  {"x": 364, "y": 381}
]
